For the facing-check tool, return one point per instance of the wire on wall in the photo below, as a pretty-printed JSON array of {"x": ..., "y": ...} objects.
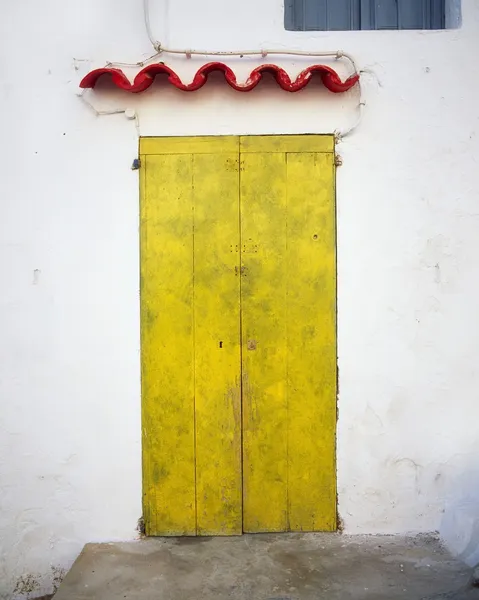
[
  {"x": 146, "y": 14},
  {"x": 189, "y": 53},
  {"x": 341, "y": 134},
  {"x": 159, "y": 49},
  {"x": 336, "y": 54},
  {"x": 129, "y": 113}
]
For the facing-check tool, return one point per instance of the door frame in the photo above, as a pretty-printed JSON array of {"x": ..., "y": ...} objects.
[{"x": 147, "y": 147}]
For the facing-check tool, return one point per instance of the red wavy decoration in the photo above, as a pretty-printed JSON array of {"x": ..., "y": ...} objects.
[{"x": 145, "y": 78}]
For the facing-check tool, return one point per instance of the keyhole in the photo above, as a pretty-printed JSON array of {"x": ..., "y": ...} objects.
[{"x": 221, "y": 344}]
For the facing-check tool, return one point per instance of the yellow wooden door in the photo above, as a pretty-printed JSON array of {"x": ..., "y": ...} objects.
[
  {"x": 190, "y": 325},
  {"x": 238, "y": 305}
]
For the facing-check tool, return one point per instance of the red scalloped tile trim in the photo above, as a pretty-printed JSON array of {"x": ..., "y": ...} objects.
[{"x": 145, "y": 78}]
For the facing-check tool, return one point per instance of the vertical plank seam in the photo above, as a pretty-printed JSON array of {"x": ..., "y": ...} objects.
[
  {"x": 240, "y": 257},
  {"x": 151, "y": 460},
  {"x": 194, "y": 341},
  {"x": 286, "y": 265}
]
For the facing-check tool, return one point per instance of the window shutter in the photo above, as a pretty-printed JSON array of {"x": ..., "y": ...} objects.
[{"x": 343, "y": 15}]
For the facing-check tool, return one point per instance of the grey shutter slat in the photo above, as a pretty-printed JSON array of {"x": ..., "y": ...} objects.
[
  {"x": 438, "y": 14},
  {"x": 343, "y": 15},
  {"x": 386, "y": 14},
  {"x": 315, "y": 15},
  {"x": 293, "y": 15},
  {"x": 367, "y": 16},
  {"x": 356, "y": 9},
  {"x": 413, "y": 14},
  {"x": 289, "y": 15},
  {"x": 299, "y": 14}
]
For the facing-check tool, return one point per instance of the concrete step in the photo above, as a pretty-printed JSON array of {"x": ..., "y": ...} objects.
[{"x": 269, "y": 567}]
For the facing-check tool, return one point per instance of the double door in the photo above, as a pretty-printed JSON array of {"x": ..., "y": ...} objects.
[{"x": 238, "y": 326}]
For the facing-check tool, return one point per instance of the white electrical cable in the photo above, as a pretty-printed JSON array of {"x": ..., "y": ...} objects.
[
  {"x": 263, "y": 52},
  {"x": 341, "y": 134},
  {"x": 99, "y": 113},
  {"x": 115, "y": 111},
  {"x": 146, "y": 15},
  {"x": 336, "y": 54},
  {"x": 141, "y": 63}
]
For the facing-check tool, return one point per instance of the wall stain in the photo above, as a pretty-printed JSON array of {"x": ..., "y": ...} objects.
[
  {"x": 26, "y": 584},
  {"x": 29, "y": 583},
  {"x": 58, "y": 576}
]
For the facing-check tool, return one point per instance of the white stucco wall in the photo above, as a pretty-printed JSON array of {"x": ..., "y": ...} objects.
[{"x": 408, "y": 262}]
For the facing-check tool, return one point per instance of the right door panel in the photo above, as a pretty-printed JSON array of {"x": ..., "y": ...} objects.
[{"x": 288, "y": 304}]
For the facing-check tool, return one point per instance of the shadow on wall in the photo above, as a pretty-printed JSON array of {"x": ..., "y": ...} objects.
[{"x": 460, "y": 525}]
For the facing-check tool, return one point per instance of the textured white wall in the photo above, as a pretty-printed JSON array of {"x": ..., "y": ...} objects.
[{"x": 408, "y": 251}]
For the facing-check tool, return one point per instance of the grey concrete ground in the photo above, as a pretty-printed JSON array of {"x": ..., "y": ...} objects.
[{"x": 269, "y": 567}]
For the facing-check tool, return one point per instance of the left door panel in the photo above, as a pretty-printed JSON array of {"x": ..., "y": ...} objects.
[{"x": 190, "y": 326}]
